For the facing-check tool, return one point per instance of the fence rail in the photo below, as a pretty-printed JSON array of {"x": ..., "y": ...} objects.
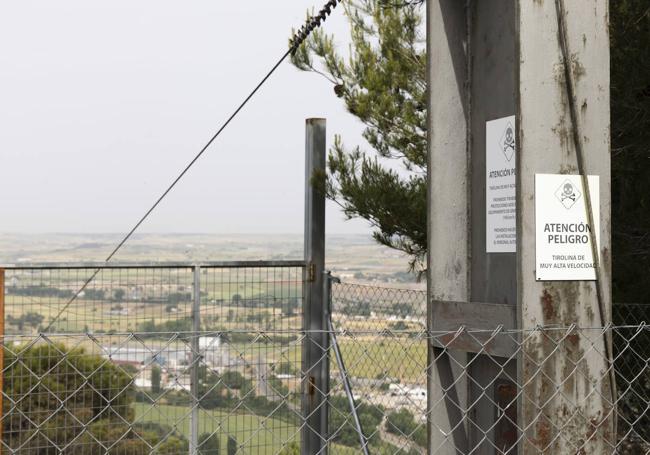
[
  {"x": 207, "y": 359},
  {"x": 152, "y": 265}
]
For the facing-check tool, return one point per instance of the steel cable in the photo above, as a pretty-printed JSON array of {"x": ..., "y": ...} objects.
[
  {"x": 298, "y": 38},
  {"x": 563, "y": 39}
]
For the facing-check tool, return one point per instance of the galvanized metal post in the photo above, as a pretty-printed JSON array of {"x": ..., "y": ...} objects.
[
  {"x": 196, "y": 359},
  {"x": 313, "y": 435}
]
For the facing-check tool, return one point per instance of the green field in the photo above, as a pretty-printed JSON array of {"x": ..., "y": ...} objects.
[
  {"x": 258, "y": 435},
  {"x": 97, "y": 316},
  {"x": 403, "y": 358},
  {"x": 400, "y": 358}
]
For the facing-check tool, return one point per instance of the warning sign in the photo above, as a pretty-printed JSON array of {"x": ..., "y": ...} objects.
[
  {"x": 500, "y": 193},
  {"x": 563, "y": 233}
]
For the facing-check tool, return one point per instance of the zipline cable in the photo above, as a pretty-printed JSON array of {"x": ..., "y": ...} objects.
[
  {"x": 298, "y": 38},
  {"x": 570, "y": 87}
]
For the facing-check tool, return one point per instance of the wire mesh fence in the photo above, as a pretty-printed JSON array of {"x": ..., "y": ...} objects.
[
  {"x": 383, "y": 338},
  {"x": 153, "y": 298},
  {"x": 207, "y": 360},
  {"x": 153, "y": 359},
  {"x": 395, "y": 415},
  {"x": 630, "y": 313}
]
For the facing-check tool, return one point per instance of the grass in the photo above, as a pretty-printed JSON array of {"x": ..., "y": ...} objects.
[
  {"x": 403, "y": 358},
  {"x": 258, "y": 435},
  {"x": 91, "y": 315},
  {"x": 400, "y": 358}
]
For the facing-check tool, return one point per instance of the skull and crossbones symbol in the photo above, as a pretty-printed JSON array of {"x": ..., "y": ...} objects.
[
  {"x": 568, "y": 193},
  {"x": 509, "y": 142}
]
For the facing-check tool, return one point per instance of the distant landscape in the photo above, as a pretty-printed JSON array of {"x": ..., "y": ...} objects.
[
  {"x": 136, "y": 323},
  {"x": 354, "y": 258}
]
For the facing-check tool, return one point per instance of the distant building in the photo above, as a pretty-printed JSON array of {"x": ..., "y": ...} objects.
[
  {"x": 177, "y": 383},
  {"x": 135, "y": 356},
  {"x": 209, "y": 343},
  {"x": 118, "y": 312},
  {"x": 413, "y": 393}
]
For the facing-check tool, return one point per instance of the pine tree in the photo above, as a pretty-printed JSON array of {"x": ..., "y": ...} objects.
[{"x": 383, "y": 83}]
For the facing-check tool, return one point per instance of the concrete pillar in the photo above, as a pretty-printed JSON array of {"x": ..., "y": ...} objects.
[
  {"x": 562, "y": 115},
  {"x": 448, "y": 217}
]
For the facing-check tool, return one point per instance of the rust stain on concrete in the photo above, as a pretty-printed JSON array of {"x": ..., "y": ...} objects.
[{"x": 548, "y": 308}]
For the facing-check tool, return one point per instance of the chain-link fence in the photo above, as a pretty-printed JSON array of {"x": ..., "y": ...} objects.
[
  {"x": 133, "y": 394},
  {"x": 382, "y": 337},
  {"x": 475, "y": 397},
  {"x": 208, "y": 360},
  {"x": 82, "y": 393},
  {"x": 395, "y": 413}
]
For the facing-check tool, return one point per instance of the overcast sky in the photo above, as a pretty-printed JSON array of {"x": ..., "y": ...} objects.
[{"x": 103, "y": 102}]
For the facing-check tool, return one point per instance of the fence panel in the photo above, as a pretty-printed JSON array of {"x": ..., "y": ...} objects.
[
  {"x": 153, "y": 359},
  {"x": 253, "y": 368}
]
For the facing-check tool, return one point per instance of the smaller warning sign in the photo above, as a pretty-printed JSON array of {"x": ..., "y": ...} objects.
[
  {"x": 563, "y": 232},
  {"x": 500, "y": 181}
]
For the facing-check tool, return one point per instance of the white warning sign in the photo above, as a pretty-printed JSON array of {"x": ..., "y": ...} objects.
[
  {"x": 500, "y": 192},
  {"x": 563, "y": 233}
]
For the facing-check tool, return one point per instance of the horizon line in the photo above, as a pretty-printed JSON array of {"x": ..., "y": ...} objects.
[{"x": 177, "y": 233}]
